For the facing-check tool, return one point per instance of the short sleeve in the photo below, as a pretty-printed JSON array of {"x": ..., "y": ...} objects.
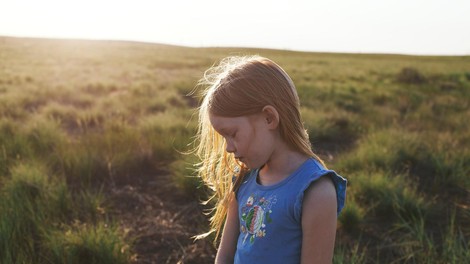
[{"x": 340, "y": 186}]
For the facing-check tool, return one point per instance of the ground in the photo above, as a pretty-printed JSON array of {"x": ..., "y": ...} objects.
[{"x": 161, "y": 220}]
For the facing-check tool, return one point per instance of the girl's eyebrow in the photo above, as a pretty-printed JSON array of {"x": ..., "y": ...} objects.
[{"x": 225, "y": 130}]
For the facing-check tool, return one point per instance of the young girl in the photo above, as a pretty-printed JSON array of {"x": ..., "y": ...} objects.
[{"x": 281, "y": 206}]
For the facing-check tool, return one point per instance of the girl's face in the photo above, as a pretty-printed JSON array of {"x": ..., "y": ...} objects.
[{"x": 249, "y": 138}]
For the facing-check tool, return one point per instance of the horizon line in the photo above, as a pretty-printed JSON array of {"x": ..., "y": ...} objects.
[{"x": 228, "y": 46}]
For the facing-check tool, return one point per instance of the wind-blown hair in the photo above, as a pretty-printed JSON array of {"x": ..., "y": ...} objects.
[{"x": 242, "y": 86}]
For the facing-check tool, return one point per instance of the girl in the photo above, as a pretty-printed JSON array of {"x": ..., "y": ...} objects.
[{"x": 282, "y": 205}]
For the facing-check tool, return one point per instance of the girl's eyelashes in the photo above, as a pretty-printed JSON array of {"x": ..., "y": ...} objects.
[{"x": 229, "y": 134}]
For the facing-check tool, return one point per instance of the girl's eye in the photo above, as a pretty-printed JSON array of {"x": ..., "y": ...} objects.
[{"x": 233, "y": 134}]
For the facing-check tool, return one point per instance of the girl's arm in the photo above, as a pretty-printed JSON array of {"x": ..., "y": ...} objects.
[
  {"x": 319, "y": 222},
  {"x": 228, "y": 243}
]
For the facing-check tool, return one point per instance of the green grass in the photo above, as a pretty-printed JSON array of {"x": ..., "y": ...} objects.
[
  {"x": 77, "y": 116},
  {"x": 81, "y": 243},
  {"x": 352, "y": 255},
  {"x": 40, "y": 222}
]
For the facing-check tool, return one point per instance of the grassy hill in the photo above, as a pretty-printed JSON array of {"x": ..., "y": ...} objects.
[{"x": 91, "y": 135}]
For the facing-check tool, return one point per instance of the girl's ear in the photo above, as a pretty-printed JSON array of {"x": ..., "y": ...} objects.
[{"x": 271, "y": 116}]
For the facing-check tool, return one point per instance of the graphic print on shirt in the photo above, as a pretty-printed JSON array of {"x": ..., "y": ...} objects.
[{"x": 255, "y": 215}]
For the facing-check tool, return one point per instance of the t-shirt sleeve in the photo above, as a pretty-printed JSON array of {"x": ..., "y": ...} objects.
[{"x": 340, "y": 186}]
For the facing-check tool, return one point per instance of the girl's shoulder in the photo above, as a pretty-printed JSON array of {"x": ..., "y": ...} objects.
[{"x": 312, "y": 172}]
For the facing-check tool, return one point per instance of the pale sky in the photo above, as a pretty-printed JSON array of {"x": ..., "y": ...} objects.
[{"x": 423, "y": 27}]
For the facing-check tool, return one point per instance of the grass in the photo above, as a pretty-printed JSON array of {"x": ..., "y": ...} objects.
[
  {"x": 353, "y": 255},
  {"x": 38, "y": 224},
  {"x": 352, "y": 217},
  {"x": 91, "y": 244},
  {"x": 78, "y": 117}
]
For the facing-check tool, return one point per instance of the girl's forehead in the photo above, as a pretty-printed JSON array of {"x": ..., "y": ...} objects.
[{"x": 222, "y": 123}]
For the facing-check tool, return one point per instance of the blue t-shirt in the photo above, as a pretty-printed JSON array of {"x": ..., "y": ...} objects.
[{"x": 270, "y": 216}]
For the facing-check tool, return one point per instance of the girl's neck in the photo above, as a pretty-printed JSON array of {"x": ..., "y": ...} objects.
[{"x": 281, "y": 164}]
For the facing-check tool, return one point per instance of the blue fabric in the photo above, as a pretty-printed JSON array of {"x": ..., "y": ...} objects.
[{"x": 270, "y": 216}]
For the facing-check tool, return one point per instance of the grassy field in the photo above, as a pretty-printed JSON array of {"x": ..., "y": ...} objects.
[{"x": 91, "y": 135}]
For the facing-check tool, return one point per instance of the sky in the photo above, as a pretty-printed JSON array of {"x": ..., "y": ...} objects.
[{"x": 419, "y": 27}]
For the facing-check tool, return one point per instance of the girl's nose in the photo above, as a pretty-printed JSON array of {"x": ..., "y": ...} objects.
[{"x": 230, "y": 148}]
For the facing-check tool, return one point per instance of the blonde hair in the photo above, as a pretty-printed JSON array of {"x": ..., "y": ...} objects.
[{"x": 240, "y": 86}]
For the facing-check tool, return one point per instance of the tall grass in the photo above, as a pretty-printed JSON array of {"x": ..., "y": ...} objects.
[
  {"x": 37, "y": 223},
  {"x": 352, "y": 255},
  {"x": 396, "y": 176},
  {"x": 82, "y": 243},
  {"x": 418, "y": 244}
]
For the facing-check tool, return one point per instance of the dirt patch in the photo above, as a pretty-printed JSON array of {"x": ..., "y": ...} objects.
[{"x": 161, "y": 221}]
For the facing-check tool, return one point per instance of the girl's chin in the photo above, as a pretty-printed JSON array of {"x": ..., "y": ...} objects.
[
  {"x": 246, "y": 164},
  {"x": 251, "y": 166}
]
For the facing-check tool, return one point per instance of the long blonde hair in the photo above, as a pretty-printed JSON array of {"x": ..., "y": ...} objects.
[{"x": 240, "y": 86}]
